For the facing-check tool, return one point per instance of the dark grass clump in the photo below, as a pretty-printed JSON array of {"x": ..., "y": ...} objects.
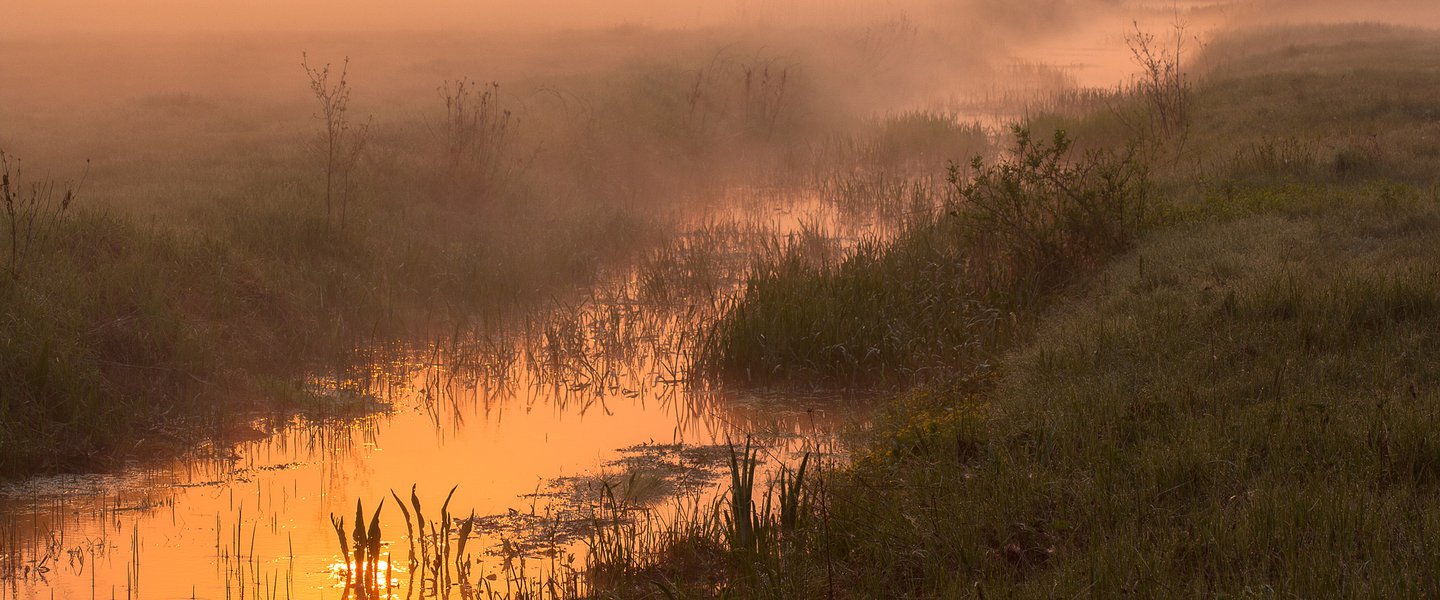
[
  {"x": 846, "y": 321},
  {"x": 925, "y": 139},
  {"x": 939, "y": 293},
  {"x": 103, "y": 352}
]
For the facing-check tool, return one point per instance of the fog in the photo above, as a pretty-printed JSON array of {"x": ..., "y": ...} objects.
[
  {"x": 234, "y": 226},
  {"x": 385, "y": 15},
  {"x": 92, "y": 79}
]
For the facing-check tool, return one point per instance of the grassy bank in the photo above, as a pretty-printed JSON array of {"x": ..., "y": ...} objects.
[
  {"x": 1238, "y": 401},
  {"x": 988, "y": 245}
]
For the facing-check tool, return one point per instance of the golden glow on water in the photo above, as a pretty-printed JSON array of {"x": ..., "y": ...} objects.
[
  {"x": 383, "y": 576},
  {"x": 591, "y": 391},
  {"x": 264, "y": 516}
]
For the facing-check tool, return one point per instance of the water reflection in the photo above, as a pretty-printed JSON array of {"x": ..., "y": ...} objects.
[{"x": 535, "y": 418}]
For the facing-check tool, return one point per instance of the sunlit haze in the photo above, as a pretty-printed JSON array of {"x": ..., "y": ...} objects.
[
  {"x": 177, "y": 16},
  {"x": 738, "y": 298}
]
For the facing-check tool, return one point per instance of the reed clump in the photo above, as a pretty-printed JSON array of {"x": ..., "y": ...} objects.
[
  {"x": 474, "y": 132},
  {"x": 749, "y": 540}
]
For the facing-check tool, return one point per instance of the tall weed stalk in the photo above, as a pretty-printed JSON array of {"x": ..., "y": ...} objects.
[
  {"x": 34, "y": 211},
  {"x": 474, "y": 134},
  {"x": 341, "y": 141}
]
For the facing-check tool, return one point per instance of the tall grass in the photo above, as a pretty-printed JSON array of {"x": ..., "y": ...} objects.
[
  {"x": 97, "y": 352},
  {"x": 935, "y": 295},
  {"x": 125, "y": 339}
]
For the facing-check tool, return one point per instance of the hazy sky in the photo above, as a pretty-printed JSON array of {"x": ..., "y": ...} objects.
[{"x": 306, "y": 15}]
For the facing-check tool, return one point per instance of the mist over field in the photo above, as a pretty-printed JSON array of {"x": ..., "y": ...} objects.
[
  {"x": 119, "y": 81},
  {"x": 179, "y": 16},
  {"x": 153, "y": 16},
  {"x": 719, "y": 299}
]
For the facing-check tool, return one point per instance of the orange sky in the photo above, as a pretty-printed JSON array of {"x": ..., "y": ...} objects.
[{"x": 25, "y": 16}]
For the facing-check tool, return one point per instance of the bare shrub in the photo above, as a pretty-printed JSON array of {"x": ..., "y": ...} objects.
[
  {"x": 341, "y": 142},
  {"x": 1163, "y": 84}
]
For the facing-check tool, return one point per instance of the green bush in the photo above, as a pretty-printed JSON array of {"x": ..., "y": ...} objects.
[{"x": 1038, "y": 217}]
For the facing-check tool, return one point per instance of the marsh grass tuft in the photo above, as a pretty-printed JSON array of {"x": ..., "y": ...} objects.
[
  {"x": 742, "y": 517},
  {"x": 891, "y": 311}
]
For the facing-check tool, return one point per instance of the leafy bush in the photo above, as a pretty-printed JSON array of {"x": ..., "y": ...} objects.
[{"x": 1037, "y": 217}]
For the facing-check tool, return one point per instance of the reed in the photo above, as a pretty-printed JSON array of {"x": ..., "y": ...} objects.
[
  {"x": 474, "y": 134},
  {"x": 741, "y": 523}
]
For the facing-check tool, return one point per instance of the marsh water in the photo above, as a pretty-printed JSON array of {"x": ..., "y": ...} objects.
[{"x": 527, "y": 422}]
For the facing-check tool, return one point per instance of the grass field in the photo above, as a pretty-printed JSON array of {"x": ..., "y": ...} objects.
[{"x": 1238, "y": 401}]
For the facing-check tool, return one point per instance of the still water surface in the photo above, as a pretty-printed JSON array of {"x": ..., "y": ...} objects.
[{"x": 527, "y": 422}]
